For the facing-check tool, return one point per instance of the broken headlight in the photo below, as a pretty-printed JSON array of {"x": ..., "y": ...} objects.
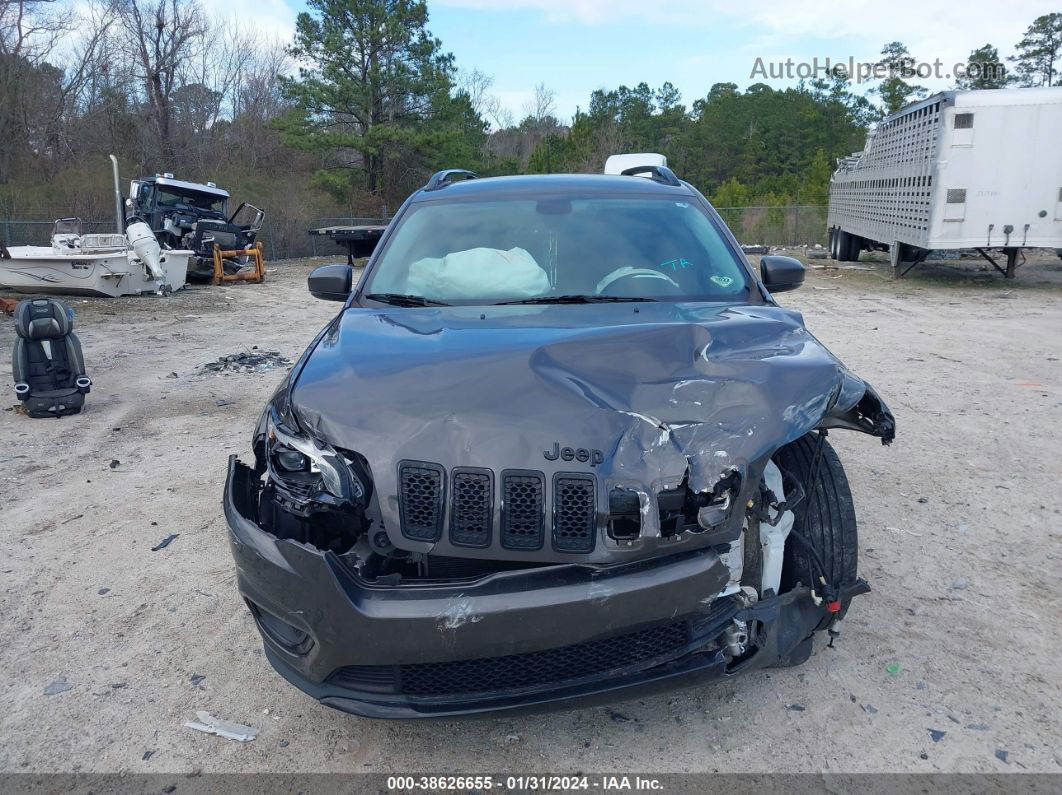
[
  {"x": 296, "y": 457},
  {"x": 290, "y": 460}
]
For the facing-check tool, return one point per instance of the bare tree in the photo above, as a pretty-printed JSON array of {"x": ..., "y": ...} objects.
[
  {"x": 542, "y": 105},
  {"x": 30, "y": 30},
  {"x": 162, "y": 37}
]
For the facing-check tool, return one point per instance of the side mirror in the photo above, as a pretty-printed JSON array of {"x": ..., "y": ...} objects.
[
  {"x": 331, "y": 282},
  {"x": 781, "y": 273}
]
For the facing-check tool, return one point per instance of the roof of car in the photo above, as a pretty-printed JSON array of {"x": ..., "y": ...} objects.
[
  {"x": 180, "y": 184},
  {"x": 551, "y": 184}
]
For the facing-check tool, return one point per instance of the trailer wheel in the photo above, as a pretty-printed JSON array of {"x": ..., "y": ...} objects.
[
  {"x": 844, "y": 245},
  {"x": 855, "y": 246},
  {"x": 831, "y": 244}
]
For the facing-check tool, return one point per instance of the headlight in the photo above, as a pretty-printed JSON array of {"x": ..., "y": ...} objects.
[
  {"x": 294, "y": 451},
  {"x": 291, "y": 460}
]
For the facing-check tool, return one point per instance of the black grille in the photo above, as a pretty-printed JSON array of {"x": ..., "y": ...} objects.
[
  {"x": 539, "y": 668},
  {"x": 471, "y": 507},
  {"x": 421, "y": 497},
  {"x": 574, "y": 513},
  {"x": 523, "y": 508}
]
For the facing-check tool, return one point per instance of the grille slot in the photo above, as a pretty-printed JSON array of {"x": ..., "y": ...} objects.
[
  {"x": 471, "y": 507},
  {"x": 574, "y": 513},
  {"x": 523, "y": 509},
  {"x": 373, "y": 678},
  {"x": 421, "y": 491},
  {"x": 521, "y": 671}
]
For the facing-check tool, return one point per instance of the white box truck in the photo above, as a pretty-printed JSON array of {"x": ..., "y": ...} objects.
[{"x": 977, "y": 170}]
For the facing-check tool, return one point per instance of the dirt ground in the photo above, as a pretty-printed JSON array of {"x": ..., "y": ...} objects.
[{"x": 950, "y": 664}]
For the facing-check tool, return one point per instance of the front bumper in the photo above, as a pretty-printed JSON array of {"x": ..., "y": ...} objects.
[{"x": 514, "y": 640}]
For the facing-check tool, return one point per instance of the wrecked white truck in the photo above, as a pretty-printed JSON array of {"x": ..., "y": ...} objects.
[{"x": 559, "y": 445}]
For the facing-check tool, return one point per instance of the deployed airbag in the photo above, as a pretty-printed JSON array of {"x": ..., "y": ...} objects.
[{"x": 478, "y": 273}]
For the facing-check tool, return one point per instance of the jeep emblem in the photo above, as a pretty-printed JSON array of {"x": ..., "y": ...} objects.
[{"x": 582, "y": 454}]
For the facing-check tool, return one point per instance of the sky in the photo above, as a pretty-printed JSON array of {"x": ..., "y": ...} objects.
[{"x": 577, "y": 46}]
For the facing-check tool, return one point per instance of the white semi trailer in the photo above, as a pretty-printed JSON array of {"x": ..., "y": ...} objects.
[{"x": 977, "y": 170}]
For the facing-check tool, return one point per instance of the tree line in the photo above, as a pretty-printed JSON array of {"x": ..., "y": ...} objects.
[{"x": 363, "y": 103}]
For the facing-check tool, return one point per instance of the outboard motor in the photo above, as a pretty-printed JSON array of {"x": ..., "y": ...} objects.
[
  {"x": 48, "y": 365},
  {"x": 143, "y": 241}
]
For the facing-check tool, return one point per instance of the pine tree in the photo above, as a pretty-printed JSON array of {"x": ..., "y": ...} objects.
[
  {"x": 894, "y": 90},
  {"x": 1039, "y": 52},
  {"x": 983, "y": 70},
  {"x": 374, "y": 86}
]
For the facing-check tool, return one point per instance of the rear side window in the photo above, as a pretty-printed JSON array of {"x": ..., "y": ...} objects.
[{"x": 508, "y": 249}]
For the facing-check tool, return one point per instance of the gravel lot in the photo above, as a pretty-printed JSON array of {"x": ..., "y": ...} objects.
[{"x": 960, "y": 541}]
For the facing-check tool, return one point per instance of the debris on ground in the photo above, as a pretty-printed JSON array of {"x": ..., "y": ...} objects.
[
  {"x": 283, "y": 743},
  {"x": 197, "y": 678},
  {"x": 103, "y": 591},
  {"x": 936, "y": 735},
  {"x": 60, "y": 685},
  {"x": 165, "y": 542},
  {"x": 795, "y": 707},
  {"x": 147, "y": 755},
  {"x": 222, "y": 728},
  {"x": 247, "y": 362},
  {"x": 959, "y": 585},
  {"x": 617, "y": 716},
  {"x": 892, "y": 668},
  {"x": 1002, "y": 755},
  {"x": 115, "y": 463},
  {"x": 870, "y": 709}
]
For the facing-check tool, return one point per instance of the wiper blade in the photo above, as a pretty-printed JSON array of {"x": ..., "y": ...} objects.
[
  {"x": 576, "y": 299},
  {"x": 400, "y": 299}
]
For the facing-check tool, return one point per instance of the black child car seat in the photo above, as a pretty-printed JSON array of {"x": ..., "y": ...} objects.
[{"x": 47, "y": 362}]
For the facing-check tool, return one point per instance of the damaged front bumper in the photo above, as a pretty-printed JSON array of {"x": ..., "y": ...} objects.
[{"x": 511, "y": 640}]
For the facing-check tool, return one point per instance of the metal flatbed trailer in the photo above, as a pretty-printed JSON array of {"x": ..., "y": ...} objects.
[{"x": 359, "y": 241}]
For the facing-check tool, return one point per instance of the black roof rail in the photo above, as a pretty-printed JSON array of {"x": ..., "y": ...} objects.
[
  {"x": 660, "y": 174},
  {"x": 440, "y": 179}
]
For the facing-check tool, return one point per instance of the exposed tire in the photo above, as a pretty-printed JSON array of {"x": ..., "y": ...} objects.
[
  {"x": 831, "y": 243},
  {"x": 844, "y": 243},
  {"x": 855, "y": 246},
  {"x": 826, "y": 517}
]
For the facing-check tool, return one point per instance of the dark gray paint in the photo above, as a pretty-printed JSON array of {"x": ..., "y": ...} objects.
[{"x": 660, "y": 388}]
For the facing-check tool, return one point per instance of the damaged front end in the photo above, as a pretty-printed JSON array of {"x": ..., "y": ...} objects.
[
  {"x": 411, "y": 556},
  {"x": 522, "y": 639}
]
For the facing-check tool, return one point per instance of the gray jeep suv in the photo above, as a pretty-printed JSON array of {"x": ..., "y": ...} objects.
[{"x": 560, "y": 444}]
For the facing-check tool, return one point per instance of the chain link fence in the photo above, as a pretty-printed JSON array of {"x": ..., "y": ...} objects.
[
  {"x": 788, "y": 225},
  {"x": 288, "y": 237}
]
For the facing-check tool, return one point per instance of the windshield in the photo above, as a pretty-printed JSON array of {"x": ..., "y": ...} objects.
[
  {"x": 201, "y": 201},
  {"x": 519, "y": 249}
]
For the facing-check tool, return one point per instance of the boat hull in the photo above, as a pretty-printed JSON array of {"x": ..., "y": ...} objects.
[{"x": 37, "y": 269}]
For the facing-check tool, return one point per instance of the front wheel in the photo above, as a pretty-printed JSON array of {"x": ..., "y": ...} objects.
[{"x": 825, "y": 518}]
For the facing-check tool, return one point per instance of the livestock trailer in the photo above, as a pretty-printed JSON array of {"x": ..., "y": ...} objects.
[{"x": 974, "y": 170}]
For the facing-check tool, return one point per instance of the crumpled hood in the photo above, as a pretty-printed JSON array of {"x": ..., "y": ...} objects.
[{"x": 658, "y": 388}]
